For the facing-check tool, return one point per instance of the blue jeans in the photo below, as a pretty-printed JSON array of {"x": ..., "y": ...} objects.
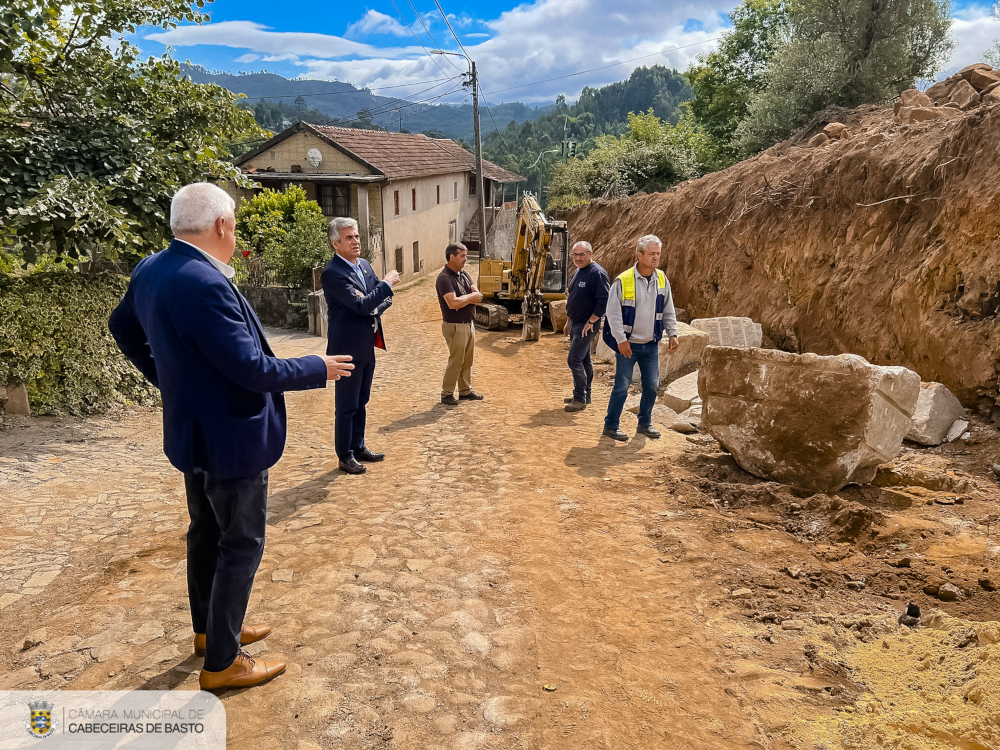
[
  {"x": 579, "y": 361},
  {"x": 648, "y": 357}
]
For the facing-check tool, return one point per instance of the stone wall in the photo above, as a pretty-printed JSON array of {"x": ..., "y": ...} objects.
[{"x": 278, "y": 306}]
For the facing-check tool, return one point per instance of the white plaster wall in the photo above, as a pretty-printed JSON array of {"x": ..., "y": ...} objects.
[{"x": 428, "y": 225}]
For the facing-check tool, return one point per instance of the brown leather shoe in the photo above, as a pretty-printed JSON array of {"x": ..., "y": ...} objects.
[
  {"x": 245, "y": 671},
  {"x": 247, "y": 636}
]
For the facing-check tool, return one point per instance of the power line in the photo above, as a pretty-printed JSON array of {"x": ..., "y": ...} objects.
[
  {"x": 419, "y": 18},
  {"x": 603, "y": 67},
  {"x": 403, "y": 18},
  {"x": 444, "y": 17},
  {"x": 356, "y": 91}
]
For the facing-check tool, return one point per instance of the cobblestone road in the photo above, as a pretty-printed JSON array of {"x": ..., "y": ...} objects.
[{"x": 501, "y": 548}]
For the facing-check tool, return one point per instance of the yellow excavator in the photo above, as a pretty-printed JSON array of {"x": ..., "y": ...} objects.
[{"x": 535, "y": 273}]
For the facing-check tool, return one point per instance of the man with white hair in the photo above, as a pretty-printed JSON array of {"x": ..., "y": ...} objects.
[
  {"x": 640, "y": 310},
  {"x": 187, "y": 328},
  {"x": 355, "y": 301}
]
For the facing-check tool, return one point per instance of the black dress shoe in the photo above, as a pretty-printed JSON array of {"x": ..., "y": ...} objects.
[
  {"x": 616, "y": 435},
  {"x": 351, "y": 466},
  {"x": 648, "y": 431},
  {"x": 470, "y": 396},
  {"x": 366, "y": 455},
  {"x": 449, "y": 400}
]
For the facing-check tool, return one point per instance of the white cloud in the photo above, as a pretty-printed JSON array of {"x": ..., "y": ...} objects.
[
  {"x": 552, "y": 38},
  {"x": 260, "y": 38},
  {"x": 247, "y": 58},
  {"x": 283, "y": 57},
  {"x": 374, "y": 22},
  {"x": 974, "y": 29}
]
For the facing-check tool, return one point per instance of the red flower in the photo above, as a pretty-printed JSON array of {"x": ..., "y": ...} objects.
[{"x": 246, "y": 253}]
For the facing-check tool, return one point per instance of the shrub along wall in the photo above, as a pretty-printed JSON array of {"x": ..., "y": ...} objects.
[{"x": 54, "y": 337}]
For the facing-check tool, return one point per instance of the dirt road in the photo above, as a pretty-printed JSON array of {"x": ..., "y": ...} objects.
[{"x": 505, "y": 579}]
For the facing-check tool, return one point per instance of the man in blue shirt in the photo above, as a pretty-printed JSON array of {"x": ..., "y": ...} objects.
[{"x": 588, "y": 298}]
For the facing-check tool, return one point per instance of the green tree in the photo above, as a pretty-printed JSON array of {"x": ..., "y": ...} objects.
[
  {"x": 522, "y": 147},
  {"x": 992, "y": 55},
  {"x": 288, "y": 230},
  {"x": 650, "y": 156},
  {"x": 94, "y": 141},
  {"x": 724, "y": 81},
  {"x": 846, "y": 53}
]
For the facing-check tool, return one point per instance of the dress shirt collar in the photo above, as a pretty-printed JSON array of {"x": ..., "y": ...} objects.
[{"x": 226, "y": 270}]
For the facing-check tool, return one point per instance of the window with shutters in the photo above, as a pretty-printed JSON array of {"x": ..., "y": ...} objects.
[{"x": 335, "y": 200}]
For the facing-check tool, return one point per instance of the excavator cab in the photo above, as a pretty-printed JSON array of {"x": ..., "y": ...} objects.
[{"x": 555, "y": 264}]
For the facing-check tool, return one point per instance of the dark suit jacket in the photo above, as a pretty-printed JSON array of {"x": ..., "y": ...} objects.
[
  {"x": 355, "y": 314},
  {"x": 191, "y": 333}
]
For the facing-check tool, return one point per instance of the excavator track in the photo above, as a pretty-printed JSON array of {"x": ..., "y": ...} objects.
[{"x": 491, "y": 317}]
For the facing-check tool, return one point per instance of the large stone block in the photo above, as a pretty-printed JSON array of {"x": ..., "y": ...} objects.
[
  {"x": 16, "y": 400},
  {"x": 557, "y": 314},
  {"x": 936, "y": 411},
  {"x": 680, "y": 394},
  {"x": 816, "y": 423},
  {"x": 690, "y": 344},
  {"x": 318, "y": 315},
  {"x": 738, "y": 332}
]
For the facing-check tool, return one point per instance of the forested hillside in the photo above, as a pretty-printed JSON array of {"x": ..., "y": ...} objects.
[
  {"x": 534, "y": 148},
  {"x": 279, "y": 102}
]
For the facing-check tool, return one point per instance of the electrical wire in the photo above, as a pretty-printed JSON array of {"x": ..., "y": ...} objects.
[
  {"x": 436, "y": 45},
  {"x": 444, "y": 16},
  {"x": 433, "y": 59},
  {"x": 356, "y": 91}
]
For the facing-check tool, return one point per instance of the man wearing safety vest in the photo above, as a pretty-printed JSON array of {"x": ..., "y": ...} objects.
[{"x": 640, "y": 310}]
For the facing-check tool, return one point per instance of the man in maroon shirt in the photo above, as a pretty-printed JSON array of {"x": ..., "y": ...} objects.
[{"x": 457, "y": 295}]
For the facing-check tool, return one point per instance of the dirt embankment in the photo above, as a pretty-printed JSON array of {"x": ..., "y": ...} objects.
[{"x": 884, "y": 244}]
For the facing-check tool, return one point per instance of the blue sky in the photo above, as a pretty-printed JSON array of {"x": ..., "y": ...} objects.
[{"x": 369, "y": 44}]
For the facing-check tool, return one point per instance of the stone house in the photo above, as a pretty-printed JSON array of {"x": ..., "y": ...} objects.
[{"x": 410, "y": 194}]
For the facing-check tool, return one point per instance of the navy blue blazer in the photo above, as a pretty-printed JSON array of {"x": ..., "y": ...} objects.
[
  {"x": 354, "y": 313},
  {"x": 191, "y": 333}
]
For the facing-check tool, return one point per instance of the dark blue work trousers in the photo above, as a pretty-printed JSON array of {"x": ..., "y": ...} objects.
[
  {"x": 225, "y": 542},
  {"x": 351, "y": 397},
  {"x": 579, "y": 360}
]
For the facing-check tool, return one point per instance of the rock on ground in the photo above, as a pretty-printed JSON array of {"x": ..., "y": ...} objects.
[
  {"x": 738, "y": 332},
  {"x": 816, "y": 423},
  {"x": 936, "y": 411},
  {"x": 691, "y": 342},
  {"x": 680, "y": 394},
  {"x": 557, "y": 314}
]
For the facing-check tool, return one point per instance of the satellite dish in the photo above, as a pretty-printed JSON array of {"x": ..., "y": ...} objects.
[{"x": 314, "y": 157}]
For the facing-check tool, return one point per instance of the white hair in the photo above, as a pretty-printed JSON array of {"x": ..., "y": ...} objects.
[
  {"x": 341, "y": 222},
  {"x": 586, "y": 244},
  {"x": 645, "y": 241},
  {"x": 195, "y": 208}
]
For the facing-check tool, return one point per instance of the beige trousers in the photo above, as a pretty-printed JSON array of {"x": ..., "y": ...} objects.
[{"x": 461, "y": 338}]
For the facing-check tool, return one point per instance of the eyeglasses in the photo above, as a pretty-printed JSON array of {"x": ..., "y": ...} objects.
[{"x": 579, "y": 255}]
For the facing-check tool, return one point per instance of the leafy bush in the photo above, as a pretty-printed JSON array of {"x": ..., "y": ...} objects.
[
  {"x": 54, "y": 337},
  {"x": 287, "y": 230},
  {"x": 651, "y": 156}
]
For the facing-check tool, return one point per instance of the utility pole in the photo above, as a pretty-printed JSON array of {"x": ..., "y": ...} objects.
[
  {"x": 479, "y": 161},
  {"x": 474, "y": 82}
]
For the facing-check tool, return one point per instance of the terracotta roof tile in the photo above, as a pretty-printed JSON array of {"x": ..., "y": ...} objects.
[{"x": 402, "y": 155}]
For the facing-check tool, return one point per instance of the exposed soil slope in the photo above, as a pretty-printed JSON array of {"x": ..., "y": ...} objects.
[{"x": 883, "y": 244}]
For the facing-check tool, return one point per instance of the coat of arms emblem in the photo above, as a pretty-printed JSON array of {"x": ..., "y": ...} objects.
[{"x": 40, "y": 724}]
